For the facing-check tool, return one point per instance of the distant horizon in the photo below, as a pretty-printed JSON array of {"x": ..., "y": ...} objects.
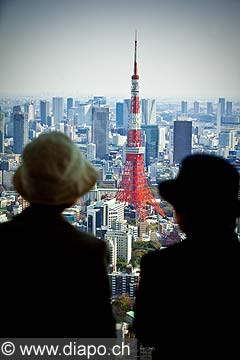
[{"x": 76, "y": 96}]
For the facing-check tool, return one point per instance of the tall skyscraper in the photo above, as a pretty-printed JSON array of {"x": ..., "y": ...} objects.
[
  {"x": 119, "y": 115},
  {"x": 20, "y": 132},
  {"x": 224, "y": 139},
  {"x": 104, "y": 213},
  {"x": 1, "y": 132},
  {"x": 44, "y": 111},
  {"x": 182, "y": 140},
  {"x": 219, "y": 118},
  {"x": 50, "y": 120},
  {"x": 148, "y": 111},
  {"x": 196, "y": 107},
  {"x": 126, "y": 112},
  {"x": 209, "y": 108},
  {"x": 222, "y": 102},
  {"x": 96, "y": 217},
  {"x": 57, "y": 108},
  {"x": 229, "y": 108},
  {"x": 152, "y": 143},
  {"x": 123, "y": 241},
  {"x": 91, "y": 151},
  {"x": 184, "y": 107},
  {"x": 25, "y": 107},
  {"x": 124, "y": 283},
  {"x": 100, "y": 129},
  {"x": 17, "y": 108},
  {"x": 69, "y": 105},
  {"x": 84, "y": 114},
  {"x": 31, "y": 112},
  {"x": 162, "y": 138}
]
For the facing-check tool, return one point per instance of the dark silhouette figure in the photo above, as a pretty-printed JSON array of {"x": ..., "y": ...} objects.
[
  {"x": 188, "y": 302},
  {"x": 54, "y": 281}
]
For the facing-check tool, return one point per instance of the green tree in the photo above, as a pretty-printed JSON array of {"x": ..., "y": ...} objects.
[
  {"x": 121, "y": 306},
  {"x": 121, "y": 264},
  {"x": 141, "y": 248}
]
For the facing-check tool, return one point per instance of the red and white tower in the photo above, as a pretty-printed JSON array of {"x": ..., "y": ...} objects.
[{"x": 134, "y": 188}]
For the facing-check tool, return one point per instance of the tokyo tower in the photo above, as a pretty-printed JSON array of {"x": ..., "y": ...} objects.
[{"x": 134, "y": 187}]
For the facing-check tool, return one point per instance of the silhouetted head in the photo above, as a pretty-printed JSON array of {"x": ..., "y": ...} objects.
[
  {"x": 205, "y": 190},
  {"x": 53, "y": 171}
]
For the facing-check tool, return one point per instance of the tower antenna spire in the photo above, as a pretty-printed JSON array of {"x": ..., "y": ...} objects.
[{"x": 135, "y": 55}]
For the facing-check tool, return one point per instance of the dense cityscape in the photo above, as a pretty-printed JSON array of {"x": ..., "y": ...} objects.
[{"x": 170, "y": 131}]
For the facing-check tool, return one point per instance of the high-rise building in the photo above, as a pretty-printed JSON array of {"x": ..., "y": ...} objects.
[
  {"x": 69, "y": 130},
  {"x": 103, "y": 214},
  {"x": 119, "y": 115},
  {"x": 182, "y": 140},
  {"x": 57, "y": 109},
  {"x": 148, "y": 107},
  {"x": 17, "y": 108},
  {"x": 31, "y": 112},
  {"x": 112, "y": 246},
  {"x": 122, "y": 283},
  {"x": 123, "y": 242},
  {"x": 91, "y": 151},
  {"x": 96, "y": 217},
  {"x": 44, "y": 111},
  {"x": 227, "y": 139},
  {"x": 115, "y": 213},
  {"x": 152, "y": 143},
  {"x": 229, "y": 108},
  {"x": 184, "y": 107},
  {"x": 196, "y": 107},
  {"x": 50, "y": 121},
  {"x": 84, "y": 134},
  {"x": 224, "y": 139},
  {"x": 25, "y": 107},
  {"x": 209, "y": 108},
  {"x": 162, "y": 138},
  {"x": 1, "y": 132},
  {"x": 126, "y": 112},
  {"x": 69, "y": 105},
  {"x": 222, "y": 102},
  {"x": 84, "y": 114},
  {"x": 219, "y": 117},
  {"x": 100, "y": 129},
  {"x": 20, "y": 132}
]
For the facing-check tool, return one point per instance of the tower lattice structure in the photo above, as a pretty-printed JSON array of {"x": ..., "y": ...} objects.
[{"x": 134, "y": 187}]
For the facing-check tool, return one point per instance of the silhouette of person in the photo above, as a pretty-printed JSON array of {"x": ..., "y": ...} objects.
[
  {"x": 188, "y": 299},
  {"x": 54, "y": 280}
]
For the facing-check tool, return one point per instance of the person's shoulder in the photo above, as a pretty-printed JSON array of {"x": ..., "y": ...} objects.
[
  {"x": 163, "y": 252},
  {"x": 87, "y": 246},
  {"x": 85, "y": 237},
  {"x": 6, "y": 226},
  {"x": 16, "y": 222},
  {"x": 88, "y": 242},
  {"x": 162, "y": 256}
]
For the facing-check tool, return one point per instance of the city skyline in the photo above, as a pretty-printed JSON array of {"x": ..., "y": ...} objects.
[{"x": 186, "y": 49}]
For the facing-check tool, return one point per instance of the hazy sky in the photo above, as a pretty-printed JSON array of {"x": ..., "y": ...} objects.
[{"x": 186, "y": 48}]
